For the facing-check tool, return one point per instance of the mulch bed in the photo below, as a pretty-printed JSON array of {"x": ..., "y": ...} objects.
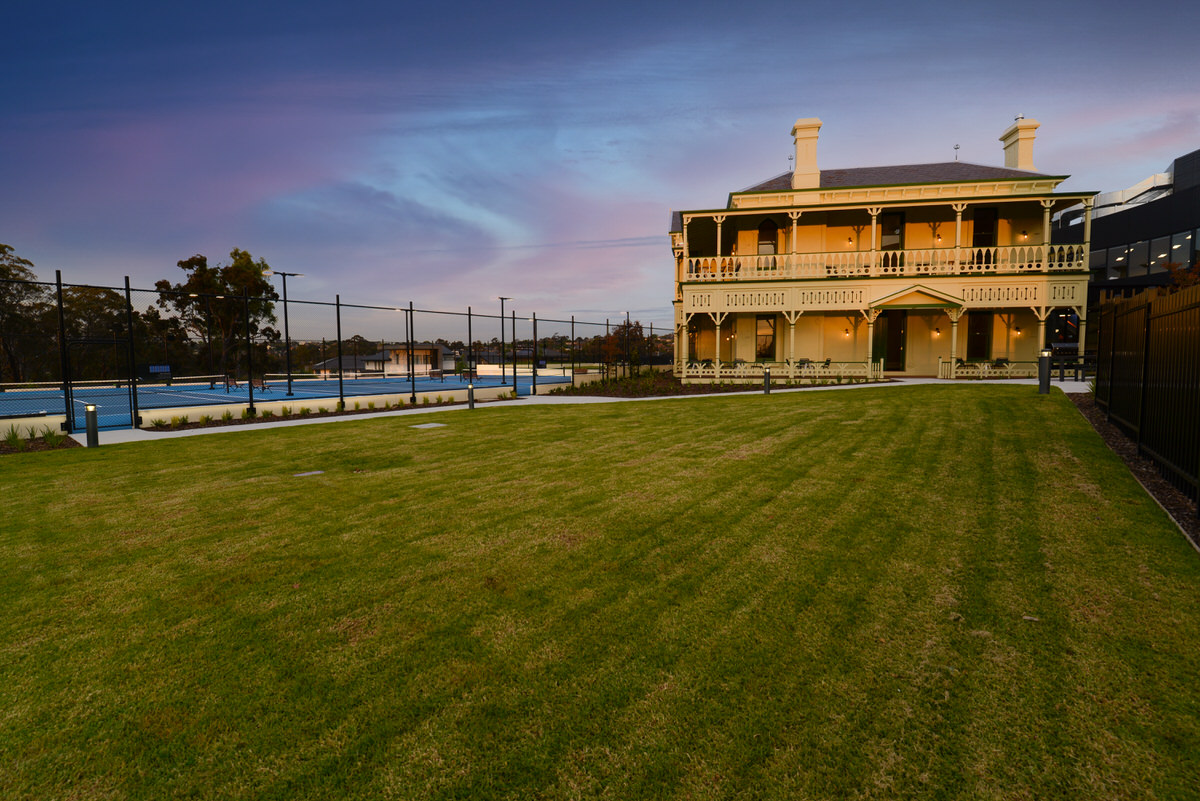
[
  {"x": 35, "y": 445},
  {"x": 652, "y": 384},
  {"x": 1178, "y": 505}
]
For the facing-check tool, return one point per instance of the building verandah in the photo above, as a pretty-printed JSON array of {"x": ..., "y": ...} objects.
[{"x": 914, "y": 330}]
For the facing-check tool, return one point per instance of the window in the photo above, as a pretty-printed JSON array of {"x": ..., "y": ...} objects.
[
  {"x": 1118, "y": 262},
  {"x": 1181, "y": 249},
  {"x": 891, "y": 235},
  {"x": 1160, "y": 254},
  {"x": 979, "y": 335},
  {"x": 764, "y": 350},
  {"x": 1138, "y": 259},
  {"x": 983, "y": 230},
  {"x": 768, "y": 238}
]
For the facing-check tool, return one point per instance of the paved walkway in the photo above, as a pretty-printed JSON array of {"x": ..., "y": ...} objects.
[{"x": 142, "y": 435}]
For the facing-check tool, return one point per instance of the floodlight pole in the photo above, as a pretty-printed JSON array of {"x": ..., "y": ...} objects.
[
  {"x": 287, "y": 340},
  {"x": 502, "y": 348}
]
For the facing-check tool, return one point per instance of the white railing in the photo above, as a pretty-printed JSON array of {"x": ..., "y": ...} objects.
[
  {"x": 856, "y": 264},
  {"x": 802, "y": 370}
]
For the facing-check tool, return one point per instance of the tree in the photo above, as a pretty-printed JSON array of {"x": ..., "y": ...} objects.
[
  {"x": 209, "y": 302},
  {"x": 95, "y": 313},
  {"x": 26, "y": 320},
  {"x": 627, "y": 339},
  {"x": 1183, "y": 277}
]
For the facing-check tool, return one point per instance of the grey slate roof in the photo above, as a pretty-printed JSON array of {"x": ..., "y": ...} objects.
[{"x": 940, "y": 172}]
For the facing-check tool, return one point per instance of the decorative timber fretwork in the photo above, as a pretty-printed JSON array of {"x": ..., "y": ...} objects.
[
  {"x": 1072, "y": 293},
  {"x": 831, "y": 298},
  {"x": 760, "y": 300},
  {"x": 1000, "y": 294}
]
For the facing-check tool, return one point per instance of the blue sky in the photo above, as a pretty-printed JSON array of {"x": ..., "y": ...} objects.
[{"x": 449, "y": 154}]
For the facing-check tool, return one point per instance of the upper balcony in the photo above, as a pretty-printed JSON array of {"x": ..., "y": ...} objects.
[{"x": 951, "y": 261}]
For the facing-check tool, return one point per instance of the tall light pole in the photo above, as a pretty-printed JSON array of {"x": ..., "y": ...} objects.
[
  {"x": 287, "y": 340},
  {"x": 502, "y": 348}
]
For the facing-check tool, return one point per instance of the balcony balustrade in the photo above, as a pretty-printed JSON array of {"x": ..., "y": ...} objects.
[{"x": 883, "y": 263}]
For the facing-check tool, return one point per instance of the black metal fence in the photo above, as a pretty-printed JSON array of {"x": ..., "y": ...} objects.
[
  {"x": 130, "y": 340},
  {"x": 1148, "y": 379}
]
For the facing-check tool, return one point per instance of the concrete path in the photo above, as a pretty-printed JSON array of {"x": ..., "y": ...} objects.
[{"x": 119, "y": 435}]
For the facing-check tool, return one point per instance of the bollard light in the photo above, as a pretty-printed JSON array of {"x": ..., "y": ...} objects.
[
  {"x": 93, "y": 426},
  {"x": 1044, "y": 371},
  {"x": 766, "y": 380},
  {"x": 470, "y": 396}
]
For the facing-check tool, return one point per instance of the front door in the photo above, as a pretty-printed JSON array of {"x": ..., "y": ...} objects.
[{"x": 891, "y": 331}]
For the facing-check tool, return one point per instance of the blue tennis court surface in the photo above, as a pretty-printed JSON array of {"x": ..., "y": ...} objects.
[{"x": 113, "y": 399}]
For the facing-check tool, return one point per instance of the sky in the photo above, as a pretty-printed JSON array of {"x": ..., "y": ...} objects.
[{"x": 449, "y": 154}]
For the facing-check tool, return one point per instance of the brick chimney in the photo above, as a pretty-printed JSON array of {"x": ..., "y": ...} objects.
[
  {"x": 805, "y": 175},
  {"x": 1018, "y": 144}
]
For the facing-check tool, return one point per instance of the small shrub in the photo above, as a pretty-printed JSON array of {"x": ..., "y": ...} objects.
[
  {"x": 305, "y": 411},
  {"x": 439, "y": 399},
  {"x": 248, "y": 413},
  {"x": 371, "y": 404},
  {"x": 51, "y": 437},
  {"x": 159, "y": 424},
  {"x": 13, "y": 438},
  {"x": 227, "y": 415},
  {"x": 450, "y": 399},
  {"x": 174, "y": 422},
  {"x": 425, "y": 401},
  {"x": 206, "y": 419},
  {"x": 285, "y": 411},
  {"x": 340, "y": 406},
  {"x": 183, "y": 420},
  {"x": 267, "y": 414},
  {"x": 356, "y": 406}
]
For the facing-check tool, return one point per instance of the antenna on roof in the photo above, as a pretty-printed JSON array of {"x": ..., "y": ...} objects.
[
  {"x": 956, "y": 152},
  {"x": 791, "y": 158}
]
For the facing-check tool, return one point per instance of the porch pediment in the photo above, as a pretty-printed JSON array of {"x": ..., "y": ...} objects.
[{"x": 917, "y": 297}]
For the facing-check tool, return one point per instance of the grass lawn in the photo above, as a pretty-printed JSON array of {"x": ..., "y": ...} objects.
[{"x": 918, "y": 592}]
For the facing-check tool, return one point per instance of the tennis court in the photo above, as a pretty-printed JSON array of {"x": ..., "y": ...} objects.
[{"x": 114, "y": 400}]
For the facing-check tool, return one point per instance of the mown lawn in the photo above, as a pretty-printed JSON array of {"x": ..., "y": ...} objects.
[{"x": 922, "y": 592}]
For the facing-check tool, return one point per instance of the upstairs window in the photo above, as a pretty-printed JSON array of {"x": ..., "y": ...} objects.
[
  {"x": 891, "y": 235},
  {"x": 768, "y": 238},
  {"x": 983, "y": 232}
]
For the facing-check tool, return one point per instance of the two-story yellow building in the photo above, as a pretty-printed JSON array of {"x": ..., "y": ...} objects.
[{"x": 941, "y": 269}]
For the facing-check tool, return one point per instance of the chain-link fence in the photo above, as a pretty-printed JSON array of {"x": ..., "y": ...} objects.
[{"x": 129, "y": 351}]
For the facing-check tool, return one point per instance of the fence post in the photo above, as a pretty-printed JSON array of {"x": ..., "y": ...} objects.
[
  {"x": 134, "y": 412},
  {"x": 337, "y": 302},
  {"x": 249, "y": 350},
  {"x": 1145, "y": 373},
  {"x": 64, "y": 362},
  {"x": 573, "y": 343},
  {"x": 412, "y": 354},
  {"x": 533, "y": 358}
]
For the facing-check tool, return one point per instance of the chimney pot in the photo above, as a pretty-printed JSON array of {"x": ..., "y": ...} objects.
[
  {"x": 1018, "y": 144},
  {"x": 805, "y": 173}
]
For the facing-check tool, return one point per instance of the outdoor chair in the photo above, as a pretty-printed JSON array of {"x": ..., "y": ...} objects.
[
  {"x": 231, "y": 383},
  {"x": 259, "y": 384}
]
